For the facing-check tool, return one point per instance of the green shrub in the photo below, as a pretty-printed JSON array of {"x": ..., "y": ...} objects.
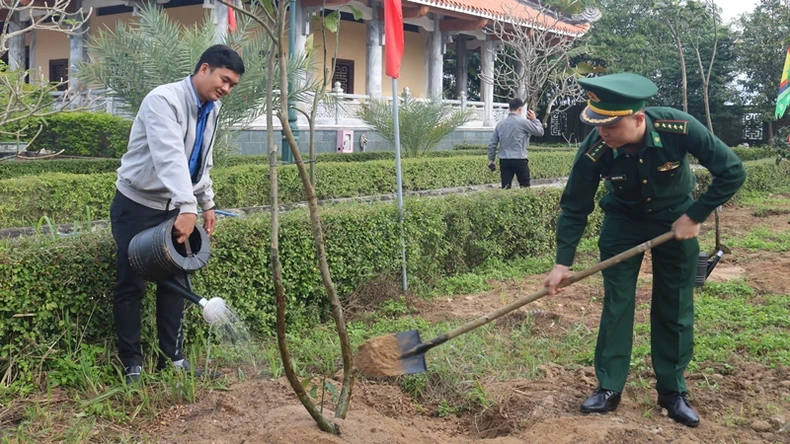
[
  {"x": 532, "y": 147},
  {"x": 747, "y": 154},
  {"x": 762, "y": 176},
  {"x": 63, "y": 197},
  {"x": 84, "y": 134},
  {"x": 9, "y": 170}
]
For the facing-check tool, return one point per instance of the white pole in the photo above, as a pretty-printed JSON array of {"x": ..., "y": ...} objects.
[{"x": 398, "y": 178}]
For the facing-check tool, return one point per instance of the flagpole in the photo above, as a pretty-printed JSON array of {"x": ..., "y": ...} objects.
[{"x": 399, "y": 180}]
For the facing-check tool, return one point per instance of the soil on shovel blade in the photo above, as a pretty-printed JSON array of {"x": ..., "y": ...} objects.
[{"x": 739, "y": 402}]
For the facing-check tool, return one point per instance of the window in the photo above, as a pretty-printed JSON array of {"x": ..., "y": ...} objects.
[
  {"x": 59, "y": 72},
  {"x": 344, "y": 73}
]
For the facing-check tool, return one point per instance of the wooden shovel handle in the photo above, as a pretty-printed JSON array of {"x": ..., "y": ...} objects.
[{"x": 641, "y": 248}]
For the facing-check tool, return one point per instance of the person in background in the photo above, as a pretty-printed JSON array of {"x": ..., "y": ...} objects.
[
  {"x": 165, "y": 174},
  {"x": 641, "y": 155},
  {"x": 511, "y": 135}
]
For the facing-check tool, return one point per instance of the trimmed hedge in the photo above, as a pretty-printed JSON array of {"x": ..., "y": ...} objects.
[
  {"x": 84, "y": 134},
  {"x": 10, "y": 170},
  {"x": 93, "y": 166},
  {"x": 63, "y": 287},
  {"x": 64, "y": 197},
  {"x": 14, "y": 169},
  {"x": 352, "y": 157},
  {"x": 745, "y": 154},
  {"x": 532, "y": 147}
]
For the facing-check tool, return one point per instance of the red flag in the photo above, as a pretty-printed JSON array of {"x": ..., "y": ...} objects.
[
  {"x": 231, "y": 19},
  {"x": 393, "y": 37}
]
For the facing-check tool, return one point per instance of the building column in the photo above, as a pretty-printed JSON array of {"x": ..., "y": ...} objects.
[
  {"x": 486, "y": 83},
  {"x": 435, "y": 61},
  {"x": 373, "y": 61},
  {"x": 34, "y": 68},
  {"x": 16, "y": 45},
  {"x": 303, "y": 30},
  {"x": 220, "y": 14},
  {"x": 76, "y": 50},
  {"x": 461, "y": 71},
  {"x": 521, "y": 89}
]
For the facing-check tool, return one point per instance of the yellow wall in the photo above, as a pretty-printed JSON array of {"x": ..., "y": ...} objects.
[
  {"x": 50, "y": 45},
  {"x": 55, "y": 45},
  {"x": 352, "y": 46},
  {"x": 412, "y": 69}
]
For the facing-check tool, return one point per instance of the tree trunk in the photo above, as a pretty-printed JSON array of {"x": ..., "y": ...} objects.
[
  {"x": 290, "y": 374},
  {"x": 326, "y": 277},
  {"x": 683, "y": 76},
  {"x": 323, "y": 264}
]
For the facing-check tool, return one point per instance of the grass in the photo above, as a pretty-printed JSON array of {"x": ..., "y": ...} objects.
[
  {"x": 497, "y": 270},
  {"x": 84, "y": 400},
  {"x": 763, "y": 239}
]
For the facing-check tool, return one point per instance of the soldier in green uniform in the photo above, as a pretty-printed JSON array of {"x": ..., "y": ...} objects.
[{"x": 641, "y": 156}]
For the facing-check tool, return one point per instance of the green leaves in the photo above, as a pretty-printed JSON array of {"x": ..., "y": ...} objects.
[
  {"x": 332, "y": 21},
  {"x": 423, "y": 123}
]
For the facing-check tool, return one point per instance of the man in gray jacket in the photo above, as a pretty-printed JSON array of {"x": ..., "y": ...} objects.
[
  {"x": 512, "y": 137},
  {"x": 165, "y": 174}
]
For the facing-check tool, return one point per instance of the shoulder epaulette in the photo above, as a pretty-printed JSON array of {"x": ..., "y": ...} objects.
[
  {"x": 672, "y": 126},
  {"x": 596, "y": 151}
]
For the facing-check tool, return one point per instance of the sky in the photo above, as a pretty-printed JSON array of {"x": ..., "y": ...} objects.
[{"x": 734, "y": 8}]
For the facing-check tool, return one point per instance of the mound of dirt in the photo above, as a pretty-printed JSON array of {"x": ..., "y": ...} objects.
[{"x": 772, "y": 274}]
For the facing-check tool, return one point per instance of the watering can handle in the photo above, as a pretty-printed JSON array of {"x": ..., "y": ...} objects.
[{"x": 188, "y": 248}]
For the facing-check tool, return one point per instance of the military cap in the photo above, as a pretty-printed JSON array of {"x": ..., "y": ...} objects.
[{"x": 615, "y": 96}]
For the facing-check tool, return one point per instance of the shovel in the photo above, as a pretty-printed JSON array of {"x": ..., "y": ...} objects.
[
  {"x": 404, "y": 353},
  {"x": 706, "y": 262},
  {"x": 719, "y": 246}
]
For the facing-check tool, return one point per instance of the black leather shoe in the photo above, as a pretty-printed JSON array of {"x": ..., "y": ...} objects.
[
  {"x": 601, "y": 401},
  {"x": 132, "y": 374},
  {"x": 678, "y": 408}
]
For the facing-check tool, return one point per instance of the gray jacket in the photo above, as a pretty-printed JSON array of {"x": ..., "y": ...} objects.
[
  {"x": 512, "y": 136},
  {"x": 155, "y": 167}
]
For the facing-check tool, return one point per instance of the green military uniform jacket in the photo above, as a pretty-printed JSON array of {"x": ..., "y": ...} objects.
[{"x": 646, "y": 184}]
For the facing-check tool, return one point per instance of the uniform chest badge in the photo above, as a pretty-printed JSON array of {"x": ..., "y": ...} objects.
[{"x": 669, "y": 166}]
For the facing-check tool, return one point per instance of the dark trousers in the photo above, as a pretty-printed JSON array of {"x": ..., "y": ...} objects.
[
  {"x": 509, "y": 167},
  {"x": 671, "y": 309},
  {"x": 129, "y": 218}
]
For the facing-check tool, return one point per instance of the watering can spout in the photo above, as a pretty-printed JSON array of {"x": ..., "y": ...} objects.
[{"x": 713, "y": 262}]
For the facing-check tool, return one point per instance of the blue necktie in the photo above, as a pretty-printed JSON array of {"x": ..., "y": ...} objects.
[{"x": 194, "y": 159}]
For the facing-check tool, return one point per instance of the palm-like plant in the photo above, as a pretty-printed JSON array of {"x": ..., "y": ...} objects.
[
  {"x": 152, "y": 50},
  {"x": 423, "y": 123}
]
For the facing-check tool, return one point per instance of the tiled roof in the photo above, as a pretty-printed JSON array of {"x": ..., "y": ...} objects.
[{"x": 516, "y": 11}]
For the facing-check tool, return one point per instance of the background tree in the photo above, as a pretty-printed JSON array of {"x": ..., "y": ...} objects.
[
  {"x": 631, "y": 36},
  {"x": 704, "y": 19},
  {"x": 423, "y": 123},
  {"x": 536, "y": 63},
  {"x": 273, "y": 18},
  {"x": 678, "y": 21},
  {"x": 761, "y": 48},
  {"x": 25, "y": 96}
]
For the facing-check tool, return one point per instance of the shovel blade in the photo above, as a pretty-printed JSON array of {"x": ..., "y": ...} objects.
[{"x": 407, "y": 340}]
